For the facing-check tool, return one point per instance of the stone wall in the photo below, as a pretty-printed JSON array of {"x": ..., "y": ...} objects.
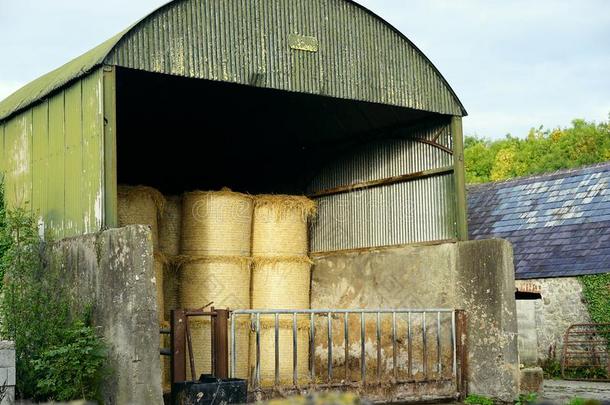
[
  {"x": 561, "y": 305},
  {"x": 113, "y": 271},
  {"x": 477, "y": 276}
]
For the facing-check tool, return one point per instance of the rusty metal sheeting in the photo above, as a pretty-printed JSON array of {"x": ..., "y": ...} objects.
[{"x": 415, "y": 211}]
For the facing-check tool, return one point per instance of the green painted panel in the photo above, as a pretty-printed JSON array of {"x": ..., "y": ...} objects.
[
  {"x": 56, "y": 187},
  {"x": 1, "y": 152},
  {"x": 18, "y": 144},
  {"x": 73, "y": 166},
  {"x": 53, "y": 154},
  {"x": 40, "y": 166},
  {"x": 92, "y": 186}
]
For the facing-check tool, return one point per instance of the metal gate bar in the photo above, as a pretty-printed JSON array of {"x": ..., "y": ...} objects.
[
  {"x": 255, "y": 316},
  {"x": 586, "y": 352}
]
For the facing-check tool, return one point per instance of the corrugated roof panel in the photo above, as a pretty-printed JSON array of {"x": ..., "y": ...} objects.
[{"x": 328, "y": 47}]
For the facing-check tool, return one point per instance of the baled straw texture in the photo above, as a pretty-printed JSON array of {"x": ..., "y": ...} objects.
[
  {"x": 170, "y": 226},
  {"x": 140, "y": 205},
  {"x": 280, "y": 225},
  {"x": 267, "y": 351},
  {"x": 281, "y": 283},
  {"x": 170, "y": 287},
  {"x": 225, "y": 281},
  {"x": 201, "y": 332},
  {"x": 216, "y": 223}
]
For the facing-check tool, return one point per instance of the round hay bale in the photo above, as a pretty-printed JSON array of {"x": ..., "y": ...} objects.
[
  {"x": 140, "y": 205},
  {"x": 281, "y": 283},
  {"x": 280, "y": 225},
  {"x": 159, "y": 264},
  {"x": 201, "y": 333},
  {"x": 225, "y": 281},
  {"x": 285, "y": 342},
  {"x": 170, "y": 287},
  {"x": 170, "y": 225},
  {"x": 216, "y": 223}
]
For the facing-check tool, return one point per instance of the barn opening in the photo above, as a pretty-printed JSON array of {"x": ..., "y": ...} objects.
[{"x": 179, "y": 134}]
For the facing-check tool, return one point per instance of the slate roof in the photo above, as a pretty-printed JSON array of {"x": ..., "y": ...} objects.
[{"x": 558, "y": 223}]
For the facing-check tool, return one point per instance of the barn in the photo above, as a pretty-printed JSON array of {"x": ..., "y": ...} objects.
[{"x": 317, "y": 98}]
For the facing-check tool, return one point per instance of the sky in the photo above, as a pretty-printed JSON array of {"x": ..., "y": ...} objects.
[{"x": 514, "y": 64}]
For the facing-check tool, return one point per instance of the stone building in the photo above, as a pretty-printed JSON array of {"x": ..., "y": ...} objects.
[{"x": 559, "y": 225}]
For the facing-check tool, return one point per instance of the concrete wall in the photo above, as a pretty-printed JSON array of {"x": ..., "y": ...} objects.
[
  {"x": 7, "y": 372},
  {"x": 113, "y": 270},
  {"x": 528, "y": 334},
  {"x": 561, "y": 305},
  {"x": 476, "y": 276}
]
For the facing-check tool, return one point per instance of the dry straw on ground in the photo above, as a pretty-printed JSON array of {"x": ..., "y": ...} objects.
[{"x": 216, "y": 223}]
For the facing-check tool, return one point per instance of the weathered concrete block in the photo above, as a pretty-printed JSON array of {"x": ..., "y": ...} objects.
[
  {"x": 532, "y": 379},
  {"x": 476, "y": 276},
  {"x": 114, "y": 271},
  {"x": 7, "y": 376},
  {"x": 7, "y": 357}
]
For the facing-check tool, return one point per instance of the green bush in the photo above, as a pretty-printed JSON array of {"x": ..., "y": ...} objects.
[
  {"x": 58, "y": 355},
  {"x": 73, "y": 367},
  {"x": 474, "y": 399}
]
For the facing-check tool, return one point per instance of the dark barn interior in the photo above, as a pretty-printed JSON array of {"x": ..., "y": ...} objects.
[{"x": 178, "y": 134}]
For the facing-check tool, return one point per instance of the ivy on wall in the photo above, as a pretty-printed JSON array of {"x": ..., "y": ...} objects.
[{"x": 596, "y": 292}]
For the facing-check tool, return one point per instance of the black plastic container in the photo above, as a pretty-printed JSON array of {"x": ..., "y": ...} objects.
[{"x": 210, "y": 391}]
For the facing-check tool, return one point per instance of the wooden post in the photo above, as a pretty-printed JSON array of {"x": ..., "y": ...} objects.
[
  {"x": 178, "y": 340},
  {"x": 221, "y": 343},
  {"x": 462, "y": 352},
  {"x": 460, "y": 178}
]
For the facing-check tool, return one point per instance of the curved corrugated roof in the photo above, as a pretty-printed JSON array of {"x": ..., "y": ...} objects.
[{"x": 335, "y": 48}]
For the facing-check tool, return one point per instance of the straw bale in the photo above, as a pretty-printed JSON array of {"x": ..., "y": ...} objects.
[
  {"x": 281, "y": 283},
  {"x": 170, "y": 225},
  {"x": 216, "y": 223},
  {"x": 171, "y": 284},
  {"x": 280, "y": 225},
  {"x": 225, "y": 281},
  {"x": 285, "y": 340},
  {"x": 140, "y": 205},
  {"x": 165, "y": 360}
]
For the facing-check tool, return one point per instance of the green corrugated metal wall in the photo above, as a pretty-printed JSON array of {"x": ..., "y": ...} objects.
[{"x": 52, "y": 155}]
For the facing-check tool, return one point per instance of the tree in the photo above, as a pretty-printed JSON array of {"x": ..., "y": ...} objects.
[{"x": 543, "y": 150}]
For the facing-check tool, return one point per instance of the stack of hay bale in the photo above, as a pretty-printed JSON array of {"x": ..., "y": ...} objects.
[
  {"x": 281, "y": 280},
  {"x": 216, "y": 251},
  {"x": 238, "y": 252}
]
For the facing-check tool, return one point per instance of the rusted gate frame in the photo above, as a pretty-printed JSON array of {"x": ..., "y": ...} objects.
[
  {"x": 180, "y": 338},
  {"x": 598, "y": 345}
]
